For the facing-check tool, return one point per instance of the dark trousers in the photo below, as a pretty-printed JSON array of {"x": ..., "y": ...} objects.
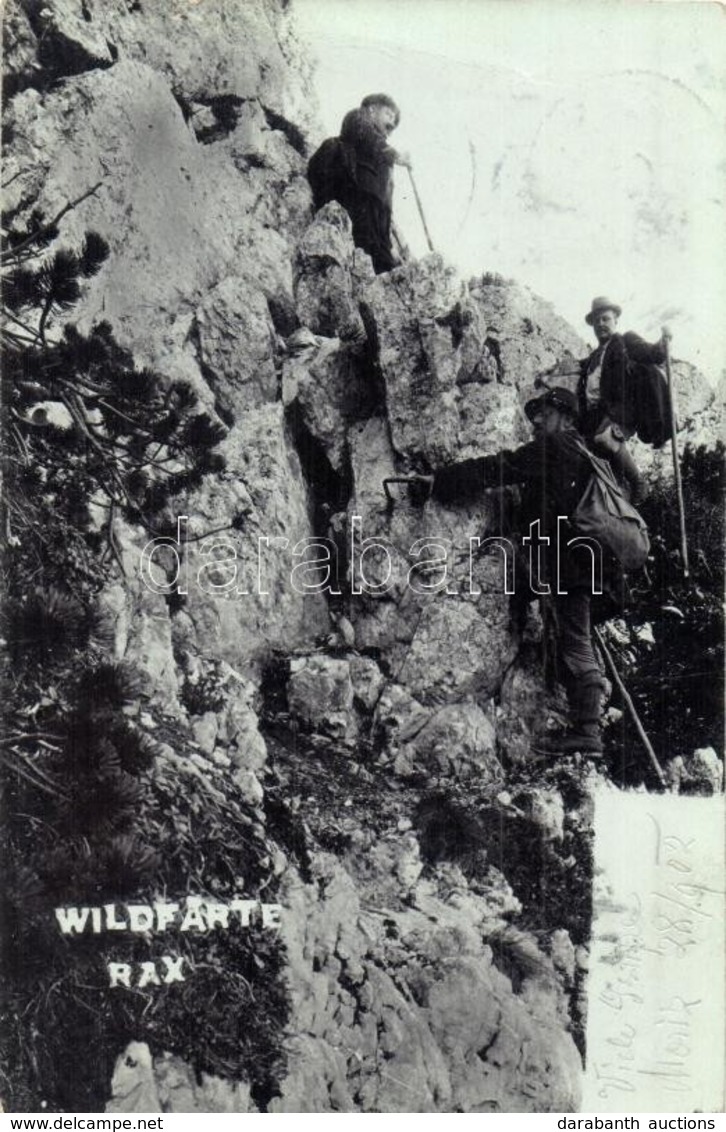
[
  {"x": 371, "y": 220},
  {"x": 574, "y": 638}
]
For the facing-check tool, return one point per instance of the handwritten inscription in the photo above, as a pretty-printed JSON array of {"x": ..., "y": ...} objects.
[{"x": 652, "y": 990}]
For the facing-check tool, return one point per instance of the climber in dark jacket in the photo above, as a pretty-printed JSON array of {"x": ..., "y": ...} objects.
[
  {"x": 555, "y": 473},
  {"x": 369, "y": 197},
  {"x": 608, "y": 391}
]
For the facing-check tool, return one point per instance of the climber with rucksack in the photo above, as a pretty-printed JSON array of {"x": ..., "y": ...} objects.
[
  {"x": 356, "y": 169},
  {"x": 622, "y": 392},
  {"x": 562, "y": 480}
]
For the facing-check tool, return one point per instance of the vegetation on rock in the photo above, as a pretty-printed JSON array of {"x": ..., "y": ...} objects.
[
  {"x": 674, "y": 671},
  {"x": 94, "y": 810}
]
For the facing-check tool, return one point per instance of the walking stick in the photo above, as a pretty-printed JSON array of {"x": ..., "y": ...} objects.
[
  {"x": 402, "y": 247},
  {"x": 630, "y": 706},
  {"x": 674, "y": 450},
  {"x": 420, "y": 209}
]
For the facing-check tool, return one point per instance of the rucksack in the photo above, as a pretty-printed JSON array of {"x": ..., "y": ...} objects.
[
  {"x": 605, "y": 515},
  {"x": 331, "y": 172},
  {"x": 654, "y": 421}
]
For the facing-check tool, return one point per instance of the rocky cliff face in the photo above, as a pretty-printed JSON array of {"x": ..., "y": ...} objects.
[{"x": 435, "y": 886}]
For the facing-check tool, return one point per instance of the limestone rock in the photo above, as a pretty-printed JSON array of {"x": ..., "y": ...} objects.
[
  {"x": 457, "y": 741},
  {"x": 190, "y": 218},
  {"x": 563, "y": 953},
  {"x": 20, "y": 45},
  {"x": 240, "y": 726},
  {"x": 524, "y": 705},
  {"x": 324, "y": 272},
  {"x": 400, "y": 716},
  {"x": 141, "y": 622},
  {"x": 240, "y": 597},
  {"x": 457, "y": 651},
  {"x": 133, "y": 1085},
  {"x": 390, "y": 867},
  {"x": 368, "y": 681},
  {"x": 699, "y": 773},
  {"x": 445, "y": 1034},
  {"x": 321, "y": 380},
  {"x": 230, "y": 50},
  {"x": 432, "y": 363},
  {"x": 447, "y": 629},
  {"x": 547, "y": 812},
  {"x": 693, "y": 392},
  {"x": 530, "y": 337},
  {"x": 320, "y": 693},
  {"x": 490, "y": 420},
  {"x": 250, "y": 787},
  {"x": 205, "y": 730},
  {"x": 181, "y": 1089},
  {"x": 236, "y": 338}
]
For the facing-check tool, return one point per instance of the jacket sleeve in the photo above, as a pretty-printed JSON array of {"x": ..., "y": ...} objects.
[
  {"x": 619, "y": 389},
  {"x": 461, "y": 482},
  {"x": 641, "y": 351},
  {"x": 358, "y": 132}
]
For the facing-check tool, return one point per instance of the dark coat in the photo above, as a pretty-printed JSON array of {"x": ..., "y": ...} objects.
[
  {"x": 621, "y": 383},
  {"x": 555, "y": 474},
  {"x": 373, "y": 156}
]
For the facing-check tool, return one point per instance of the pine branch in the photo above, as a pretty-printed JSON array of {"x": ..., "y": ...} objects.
[
  {"x": 22, "y": 766},
  {"x": 27, "y": 329},
  {"x": 44, "y": 317},
  {"x": 53, "y": 223}
]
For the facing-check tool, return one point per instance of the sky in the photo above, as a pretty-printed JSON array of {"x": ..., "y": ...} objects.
[{"x": 576, "y": 146}]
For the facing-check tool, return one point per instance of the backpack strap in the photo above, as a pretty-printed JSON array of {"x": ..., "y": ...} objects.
[{"x": 601, "y": 467}]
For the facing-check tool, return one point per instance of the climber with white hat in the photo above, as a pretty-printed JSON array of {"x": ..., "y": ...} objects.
[{"x": 621, "y": 392}]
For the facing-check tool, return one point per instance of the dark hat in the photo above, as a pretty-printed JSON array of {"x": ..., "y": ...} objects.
[
  {"x": 382, "y": 100},
  {"x": 601, "y": 303},
  {"x": 559, "y": 398}
]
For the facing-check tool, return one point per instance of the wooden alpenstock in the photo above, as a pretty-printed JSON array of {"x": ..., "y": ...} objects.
[
  {"x": 420, "y": 210},
  {"x": 674, "y": 450},
  {"x": 630, "y": 706}
]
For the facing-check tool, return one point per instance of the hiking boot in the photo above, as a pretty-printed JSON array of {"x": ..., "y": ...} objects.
[
  {"x": 570, "y": 742},
  {"x": 584, "y": 735}
]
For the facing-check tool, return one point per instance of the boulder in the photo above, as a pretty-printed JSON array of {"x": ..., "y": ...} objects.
[
  {"x": 133, "y": 1085},
  {"x": 546, "y": 810},
  {"x": 368, "y": 681},
  {"x": 182, "y": 1089},
  {"x": 526, "y": 334},
  {"x": 697, "y": 773},
  {"x": 320, "y": 694},
  {"x": 457, "y": 650},
  {"x": 442, "y": 401},
  {"x": 323, "y": 382},
  {"x": 458, "y": 741},
  {"x": 326, "y": 271}
]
